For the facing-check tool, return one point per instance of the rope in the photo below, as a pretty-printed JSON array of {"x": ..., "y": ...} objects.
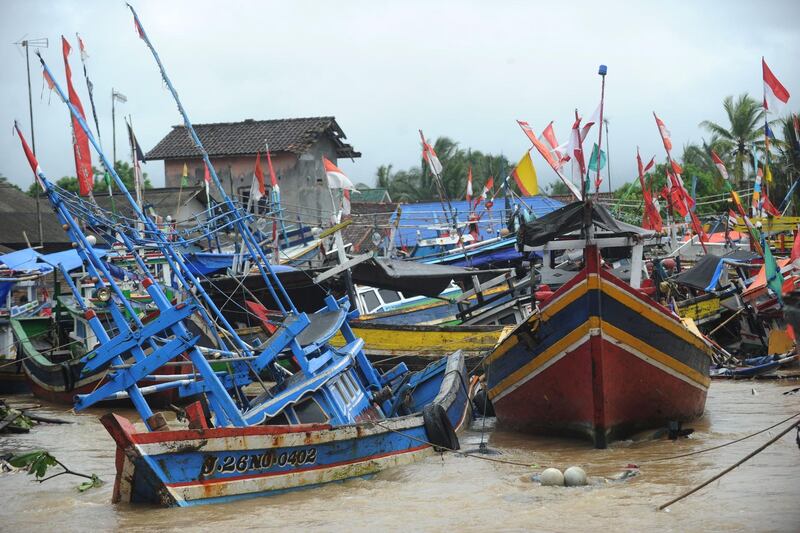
[
  {"x": 721, "y": 445},
  {"x": 735, "y": 465}
]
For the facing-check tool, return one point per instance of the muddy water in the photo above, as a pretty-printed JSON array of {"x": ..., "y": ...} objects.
[{"x": 452, "y": 493}]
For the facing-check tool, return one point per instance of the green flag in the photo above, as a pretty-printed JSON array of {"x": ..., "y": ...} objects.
[
  {"x": 107, "y": 179},
  {"x": 593, "y": 159},
  {"x": 773, "y": 273}
]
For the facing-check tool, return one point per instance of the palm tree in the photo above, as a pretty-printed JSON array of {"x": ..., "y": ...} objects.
[{"x": 745, "y": 115}]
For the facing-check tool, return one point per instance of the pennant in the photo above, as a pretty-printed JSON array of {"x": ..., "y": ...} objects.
[
  {"x": 137, "y": 150},
  {"x": 469, "y": 185},
  {"x": 138, "y": 27},
  {"x": 430, "y": 157},
  {"x": 48, "y": 80},
  {"x": 773, "y": 272},
  {"x": 525, "y": 176},
  {"x": 336, "y": 178},
  {"x": 593, "y": 160},
  {"x": 665, "y": 134},
  {"x": 273, "y": 179},
  {"x": 796, "y": 247},
  {"x": 185, "y": 176},
  {"x": 721, "y": 167},
  {"x": 550, "y": 136},
  {"x": 774, "y": 91},
  {"x": 206, "y": 179},
  {"x": 84, "y": 55},
  {"x": 575, "y": 149},
  {"x": 594, "y": 119},
  {"x": 487, "y": 188},
  {"x": 643, "y": 169},
  {"x": 676, "y": 168},
  {"x": 83, "y": 157},
  {"x": 548, "y": 156},
  {"x": 768, "y": 207},
  {"x": 345, "y": 202},
  {"x": 37, "y": 171},
  {"x": 257, "y": 188}
]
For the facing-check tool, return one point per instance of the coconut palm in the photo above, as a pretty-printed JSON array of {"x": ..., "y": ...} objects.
[{"x": 746, "y": 116}]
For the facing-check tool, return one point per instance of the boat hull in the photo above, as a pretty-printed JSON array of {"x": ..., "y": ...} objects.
[
  {"x": 192, "y": 467},
  {"x": 601, "y": 361}
]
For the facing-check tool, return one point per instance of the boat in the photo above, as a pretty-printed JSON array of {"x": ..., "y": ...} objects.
[
  {"x": 599, "y": 359},
  {"x": 287, "y": 413}
]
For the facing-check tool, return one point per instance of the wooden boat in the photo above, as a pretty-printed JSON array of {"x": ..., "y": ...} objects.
[
  {"x": 599, "y": 359},
  {"x": 199, "y": 466}
]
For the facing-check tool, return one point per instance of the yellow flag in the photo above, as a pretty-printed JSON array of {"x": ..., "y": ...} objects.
[
  {"x": 767, "y": 174},
  {"x": 185, "y": 176},
  {"x": 525, "y": 176}
]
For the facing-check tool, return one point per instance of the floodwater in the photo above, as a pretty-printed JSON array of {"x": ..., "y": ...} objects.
[{"x": 455, "y": 493}]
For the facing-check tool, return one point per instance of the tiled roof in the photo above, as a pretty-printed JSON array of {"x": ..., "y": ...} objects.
[
  {"x": 295, "y": 135},
  {"x": 18, "y": 215}
]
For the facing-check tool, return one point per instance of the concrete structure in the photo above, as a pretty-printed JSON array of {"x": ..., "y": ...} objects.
[{"x": 297, "y": 147}]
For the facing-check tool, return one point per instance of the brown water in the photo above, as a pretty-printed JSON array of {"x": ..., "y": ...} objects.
[{"x": 453, "y": 493}]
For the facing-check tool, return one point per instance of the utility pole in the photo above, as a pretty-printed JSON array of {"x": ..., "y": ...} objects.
[
  {"x": 36, "y": 43},
  {"x": 114, "y": 97}
]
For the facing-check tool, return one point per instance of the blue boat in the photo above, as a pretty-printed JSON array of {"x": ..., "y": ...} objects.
[{"x": 266, "y": 415}]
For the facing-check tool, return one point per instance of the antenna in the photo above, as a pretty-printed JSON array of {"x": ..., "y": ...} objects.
[{"x": 41, "y": 42}]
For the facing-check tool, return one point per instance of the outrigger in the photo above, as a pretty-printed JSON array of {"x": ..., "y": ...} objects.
[{"x": 319, "y": 413}]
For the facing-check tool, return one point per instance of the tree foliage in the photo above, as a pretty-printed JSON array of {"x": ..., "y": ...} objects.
[
  {"x": 417, "y": 184},
  {"x": 123, "y": 168}
]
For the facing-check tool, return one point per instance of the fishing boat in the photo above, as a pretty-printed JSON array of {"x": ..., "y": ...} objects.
[
  {"x": 599, "y": 359},
  {"x": 287, "y": 413}
]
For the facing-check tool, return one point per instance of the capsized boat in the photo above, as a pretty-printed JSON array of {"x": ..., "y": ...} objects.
[
  {"x": 599, "y": 359},
  {"x": 287, "y": 413}
]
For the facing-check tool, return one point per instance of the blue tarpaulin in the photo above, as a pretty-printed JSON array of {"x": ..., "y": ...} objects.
[
  {"x": 417, "y": 217},
  {"x": 29, "y": 259}
]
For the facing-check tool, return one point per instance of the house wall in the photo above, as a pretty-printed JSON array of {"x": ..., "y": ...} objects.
[{"x": 304, "y": 188}]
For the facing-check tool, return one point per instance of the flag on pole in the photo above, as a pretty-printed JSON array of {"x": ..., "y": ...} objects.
[
  {"x": 593, "y": 160},
  {"x": 644, "y": 168},
  {"x": 773, "y": 273},
  {"x": 550, "y": 136},
  {"x": 185, "y": 176},
  {"x": 37, "y": 171},
  {"x": 487, "y": 188},
  {"x": 139, "y": 30},
  {"x": 575, "y": 150},
  {"x": 651, "y": 218},
  {"x": 336, "y": 178},
  {"x": 273, "y": 179},
  {"x": 524, "y": 175},
  {"x": 774, "y": 91},
  {"x": 665, "y": 134},
  {"x": 469, "y": 185},
  {"x": 722, "y": 170},
  {"x": 83, "y": 157},
  {"x": 430, "y": 157},
  {"x": 549, "y": 157},
  {"x": 591, "y": 121},
  {"x": 206, "y": 178},
  {"x": 257, "y": 188},
  {"x": 768, "y": 207},
  {"x": 345, "y": 202},
  {"x": 796, "y": 247}
]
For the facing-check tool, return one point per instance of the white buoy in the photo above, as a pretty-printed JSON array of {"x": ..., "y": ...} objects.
[
  {"x": 91, "y": 239},
  {"x": 552, "y": 477},
  {"x": 574, "y": 476}
]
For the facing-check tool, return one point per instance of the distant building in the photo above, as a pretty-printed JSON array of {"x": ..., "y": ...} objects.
[
  {"x": 19, "y": 226},
  {"x": 297, "y": 146},
  {"x": 186, "y": 205},
  {"x": 372, "y": 196}
]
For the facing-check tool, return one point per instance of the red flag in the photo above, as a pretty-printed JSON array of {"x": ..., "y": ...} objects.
[
  {"x": 29, "y": 154},
  {"x": 258, "y": 190},
  {"x": 540, "y": 146},
  {"x": 486, "y": 190},
  {"x": 796, "y": 247},
  {"x": 697, "y": 227},
  {"x": 665, "y": 134},
  {"x": 773, "y": 89},
  {"x": 576, "y": 147},
  {"x": 644, "y": 168},
  {"x": 651, "y": 218},
  {"x": 430, "y": 157},
  {"x": 273, "y": 180},
  {"x": 550, "y": 136},
  {"x": 139, "y": 30},
  {"x": 768, "y": 206},
  {"x": 83, "y": 158},
  {"x": 676, "y": 168}
]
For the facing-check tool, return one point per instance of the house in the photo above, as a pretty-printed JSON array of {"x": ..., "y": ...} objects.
[
  {"x": 18, "y": 222},
  {"x": 375, "y": 195},
  {"x": 186, "y": 205},
  {"x": 297, "y": 146}
]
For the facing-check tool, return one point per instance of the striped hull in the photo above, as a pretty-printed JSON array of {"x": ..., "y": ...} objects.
[
  {"x": 192, "y": 467},
  {"x": 599, "y": 361}
]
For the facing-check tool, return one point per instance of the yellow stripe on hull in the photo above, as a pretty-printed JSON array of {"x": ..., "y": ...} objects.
[{"x": 421, "y": 340}]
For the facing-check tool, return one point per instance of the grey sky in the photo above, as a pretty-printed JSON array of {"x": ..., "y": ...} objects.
[{"x": 384, "y": 69}]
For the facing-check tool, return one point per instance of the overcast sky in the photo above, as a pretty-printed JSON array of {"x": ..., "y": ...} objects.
[{"x": 463, "y": 69}]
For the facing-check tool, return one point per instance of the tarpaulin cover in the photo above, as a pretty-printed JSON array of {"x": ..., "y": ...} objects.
[
  {"x": 203, "y": 263},
  {"x": 415, "y": 218},
  {"x": 29, "y": 259},
  {"x": 570, "y": 218},
  {"x": 409, "y": 277},
  {"x": 705, "y": 274}
]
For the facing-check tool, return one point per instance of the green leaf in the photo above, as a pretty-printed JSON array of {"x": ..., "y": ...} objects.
[
  {"x": 94, "y": 482},
  {"x": 25, "y": 459}
]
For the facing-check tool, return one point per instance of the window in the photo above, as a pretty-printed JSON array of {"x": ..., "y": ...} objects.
[
  {"x": 389, "y": 296},
  {"x": 371, "y": 301},
  {"x": 309, "y": 412}
]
